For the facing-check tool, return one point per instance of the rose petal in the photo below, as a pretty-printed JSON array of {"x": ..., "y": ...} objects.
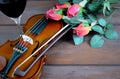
[
  {"x": 73, "y": 10},
  {"x": 52, "y": 15},
  {"x": 62, "y": 6},
  {"x": 81, "y": 30}
]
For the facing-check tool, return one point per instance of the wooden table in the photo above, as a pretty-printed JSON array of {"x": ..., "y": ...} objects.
[{"x": 64, "y": 59}]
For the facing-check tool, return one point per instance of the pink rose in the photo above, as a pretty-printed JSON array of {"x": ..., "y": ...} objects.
[
  {"x": 81, "y": 30},
  {"x": 53, "y": 15},
  {"x": 73, "y": 10},
  {"x": 61, "y": 6}
]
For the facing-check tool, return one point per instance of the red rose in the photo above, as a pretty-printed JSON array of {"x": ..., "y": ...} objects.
[
  {"x": 61, "y": 6},
  {"x": 73, "y": 10},
  {"x": 81, "y": 30},
  {"x": 53, "y": 15}
]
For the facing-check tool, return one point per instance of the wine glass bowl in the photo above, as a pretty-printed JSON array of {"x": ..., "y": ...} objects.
[{"x": 13, "y": 9}]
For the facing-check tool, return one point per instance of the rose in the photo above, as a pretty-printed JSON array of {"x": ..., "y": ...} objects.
[
  {"x": 81, "y": 30},
  {"x": 56, "y": 12},
  {"x": 52, "y": 14},
  {"x": 61, "y": 6},
  {"x": 73, "y": 10}
]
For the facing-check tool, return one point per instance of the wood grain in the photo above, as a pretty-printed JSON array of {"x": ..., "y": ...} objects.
[
  {"x": 64, "y": 59},
  {"x": 80, "y": 72},
  {"x": 65, "y": 52},
  {"x": 32, "y": 7}
]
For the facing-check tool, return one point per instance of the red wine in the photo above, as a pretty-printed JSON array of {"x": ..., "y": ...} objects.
[{"x": 13, "y": 8}]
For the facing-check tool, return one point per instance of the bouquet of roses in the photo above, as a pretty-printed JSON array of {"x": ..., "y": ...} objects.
[{"x": 85, "y": 17}]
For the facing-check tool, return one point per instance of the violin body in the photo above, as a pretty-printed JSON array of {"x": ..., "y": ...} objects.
[{"x": 6, "y": 50}]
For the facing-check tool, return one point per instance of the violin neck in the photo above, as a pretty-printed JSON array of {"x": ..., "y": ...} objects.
[
  {"x": 22, "y": 73},
  {"x": 39, "y": 26}
]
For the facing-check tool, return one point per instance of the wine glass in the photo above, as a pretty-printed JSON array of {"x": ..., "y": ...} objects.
[{"x": 14, "y": 10}]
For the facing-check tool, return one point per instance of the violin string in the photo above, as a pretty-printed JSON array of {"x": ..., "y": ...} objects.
[
  {"x": 21, "y": 39},
  {"x": 57, "y": 33},
  {"x": 43, "y": 20},
  {"x": 38, "y": 23},
  {"x": 34, "y": 30}
]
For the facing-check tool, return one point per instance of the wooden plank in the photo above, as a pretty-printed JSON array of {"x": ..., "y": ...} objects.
[
  {"x": 40, "y": 7},
  {"x": 81, "y": 72},
  {"x": 65, "y": 52},
  {"x": 115, "y": 18},
  {"x": 32, "y": 8},
  {"x": 64, "y": 59},
  {"x": 8, "y": 33}
]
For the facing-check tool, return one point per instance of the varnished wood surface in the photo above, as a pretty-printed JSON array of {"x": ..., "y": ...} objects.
[
  {"x": 81, "y": 72},
  {"x": 64, "y": 59}
]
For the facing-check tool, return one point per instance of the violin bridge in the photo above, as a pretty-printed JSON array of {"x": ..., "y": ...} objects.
[{"x": 27, "y": 39}]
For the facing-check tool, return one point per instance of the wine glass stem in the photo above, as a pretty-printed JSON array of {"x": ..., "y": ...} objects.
[{"x": 18, "y": 21}]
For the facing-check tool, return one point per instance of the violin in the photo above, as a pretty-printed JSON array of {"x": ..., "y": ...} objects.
[{"x": 24, "y": 57}]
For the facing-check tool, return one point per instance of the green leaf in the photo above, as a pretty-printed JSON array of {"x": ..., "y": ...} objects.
[
  {"x": 94, "y": 6},
  {"x": 89, "y": 21},
  {"x": 63, "y": 1},
  {"x": 114, "y": 1},
  {"x": 77, "y": 1},
  {"x": 74, "y": 20},
  {"x": 59, "y": 11},
  {"x": 106, "y": 7},
  {"x": 98, "y": 29},
  {"x": 77, "y": 40},
  {"x": 92, "y": 17},
  {"x": 80, "y": 11},
  {"x": 86, "y": 24},
  {"x": 109, "y": 26},
  {"x": 96, "y": 41},
  {"x": 111, "y": 34},
  {"x": 80, "y": 16},
  {"x": 102, "y": 22},
  {"x": 66, "y": 19},
  {"x": 71, "y": 21}
]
